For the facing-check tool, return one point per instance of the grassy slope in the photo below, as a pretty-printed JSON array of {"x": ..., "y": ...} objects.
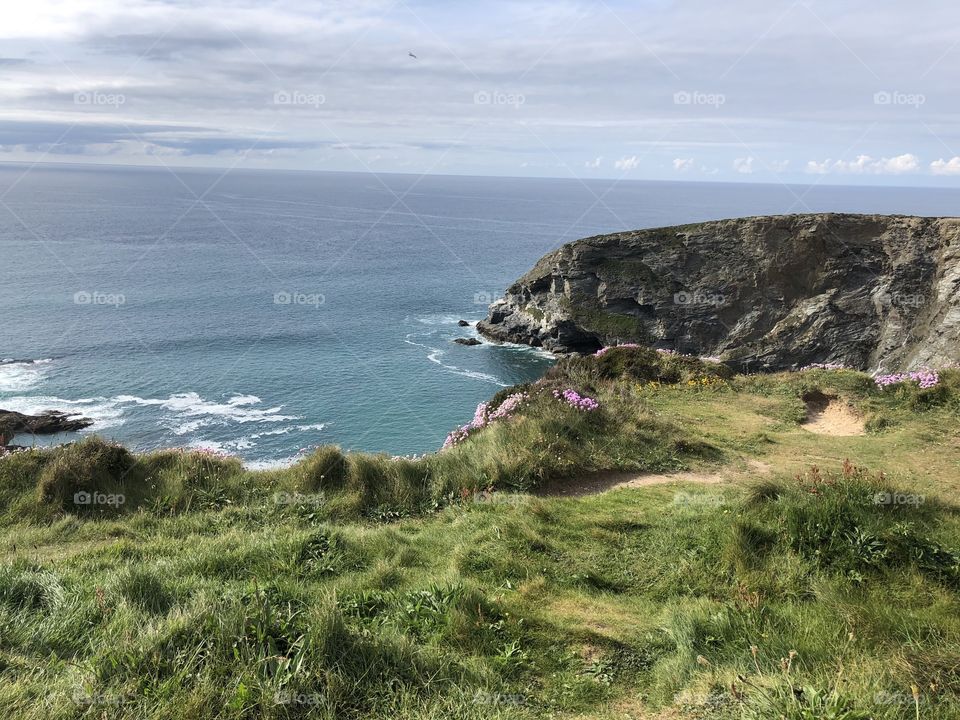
[{"x": 388, "y": 588}]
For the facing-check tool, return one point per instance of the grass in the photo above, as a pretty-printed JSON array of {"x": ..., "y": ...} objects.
[{"x": 353, "y": 586}]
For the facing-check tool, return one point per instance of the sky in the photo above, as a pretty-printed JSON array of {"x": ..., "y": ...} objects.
[{"x": 837, "y": 91}]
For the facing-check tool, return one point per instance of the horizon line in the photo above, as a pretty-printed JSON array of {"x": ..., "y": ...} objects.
[{"x": 571, "y": 178}]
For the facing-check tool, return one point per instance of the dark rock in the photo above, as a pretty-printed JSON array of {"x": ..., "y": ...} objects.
[
  {"x": 463, "y": 323},
  {"x": 467, "y": 341},
  {"x": 762, "y": 293},
  {"x": 47, "y": 423}
]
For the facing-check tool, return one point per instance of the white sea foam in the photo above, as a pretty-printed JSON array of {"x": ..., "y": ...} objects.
[
  {"x": 18, "y": 376},
  {"x": 236, "y": 408},
  {"x": 439, "y": 319},
  {"x": 434, "y": 355},
  {"x": 104, "y": 413},
  {"x": 272, "y": 464}
]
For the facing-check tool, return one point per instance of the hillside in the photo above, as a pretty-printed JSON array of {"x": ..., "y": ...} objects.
[
  {"x": 874, "y": 292},
  {"x": 637, "y": 535}
]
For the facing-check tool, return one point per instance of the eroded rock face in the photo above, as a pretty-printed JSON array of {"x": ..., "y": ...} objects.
[{"x": 763, "y": 293}]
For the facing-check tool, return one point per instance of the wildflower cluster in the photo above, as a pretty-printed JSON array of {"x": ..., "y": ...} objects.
[
  {"x": 576, "y": 400},
  {"x": 924, "y": 378},
  {"x": 484, "y": 416},
  {"x": 603, "y": 350},
  {"x": 207, "y": 452}
]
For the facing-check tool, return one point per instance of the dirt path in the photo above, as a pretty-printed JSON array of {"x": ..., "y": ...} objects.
[
  {"x": 831, "y": 416},
  {"x": 612, "y": 480}
]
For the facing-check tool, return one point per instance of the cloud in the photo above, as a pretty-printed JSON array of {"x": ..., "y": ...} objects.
[
  {"x": 946, "y": 167},
  {"x": 866, "y": 165},
  {"x": 217, "y": 65}
]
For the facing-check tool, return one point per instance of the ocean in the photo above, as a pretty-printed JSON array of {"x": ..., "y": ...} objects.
[{"x": 261, "y": 313}]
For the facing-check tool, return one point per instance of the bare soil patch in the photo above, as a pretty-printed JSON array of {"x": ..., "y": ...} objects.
[{"x": 828, "y": 415}]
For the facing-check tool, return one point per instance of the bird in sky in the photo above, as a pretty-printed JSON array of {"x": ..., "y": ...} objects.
[{"x": 412, "y": 55}]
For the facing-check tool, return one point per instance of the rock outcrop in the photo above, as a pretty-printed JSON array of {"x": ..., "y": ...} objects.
[
  {"x": 762, "y": 293},
  {"x": 48, "y": 423}
]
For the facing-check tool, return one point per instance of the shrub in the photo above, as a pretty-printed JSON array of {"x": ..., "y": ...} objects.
[
  {"x": 89, "y": 466},
  {"x": 324, "y": 469}
]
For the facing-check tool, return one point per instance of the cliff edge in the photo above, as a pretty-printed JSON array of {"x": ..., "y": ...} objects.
[{"x": 874, "y": 292}]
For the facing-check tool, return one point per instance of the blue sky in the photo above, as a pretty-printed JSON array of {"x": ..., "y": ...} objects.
[{"x": 837, "y": 91}]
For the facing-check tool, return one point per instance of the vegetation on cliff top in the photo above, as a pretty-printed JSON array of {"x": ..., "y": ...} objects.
[{"x": 180, "y": 584}]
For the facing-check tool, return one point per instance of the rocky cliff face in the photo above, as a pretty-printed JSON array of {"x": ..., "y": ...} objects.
[{"x": 763, "y": 293}]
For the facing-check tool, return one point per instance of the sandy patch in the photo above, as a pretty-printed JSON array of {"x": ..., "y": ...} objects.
[{"x": 831, "y": 416}]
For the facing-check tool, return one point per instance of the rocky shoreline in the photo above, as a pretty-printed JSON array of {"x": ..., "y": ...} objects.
[
  {"x": 874, "y": 292},
  {"x": 50, "y": 422}
]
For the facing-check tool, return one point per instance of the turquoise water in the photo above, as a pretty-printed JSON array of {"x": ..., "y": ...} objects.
[{"x": 258, "y": 313}]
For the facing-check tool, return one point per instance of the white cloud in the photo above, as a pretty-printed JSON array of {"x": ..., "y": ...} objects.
[
  {"x": 627, "y": 163},
  {"x": 682, "y": 164},
  {"x": 743, "y": 165},
  {"x": 593, "y": 164},
  {"x": 946, "y": 167},
  {"x": 866, "y": 165}
]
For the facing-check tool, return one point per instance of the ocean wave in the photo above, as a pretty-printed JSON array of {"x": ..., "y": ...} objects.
[
  {"x": 104, "y": 412},
  {"x": 20, "y": 375},
  {"x": 191, "y": 404},
  {"x": 434, "y": 355}
]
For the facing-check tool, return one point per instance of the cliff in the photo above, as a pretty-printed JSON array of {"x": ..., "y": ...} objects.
[{"x": 763, "y": 293}]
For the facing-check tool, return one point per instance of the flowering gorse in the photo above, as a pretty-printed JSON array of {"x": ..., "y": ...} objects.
[
  {"x": 576, "y": 400},
  {"x": 484, "y": 416},
  {"x": 924, "y": 378}
]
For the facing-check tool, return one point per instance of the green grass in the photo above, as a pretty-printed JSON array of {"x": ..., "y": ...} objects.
[{"x": 354, "y": 586}]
